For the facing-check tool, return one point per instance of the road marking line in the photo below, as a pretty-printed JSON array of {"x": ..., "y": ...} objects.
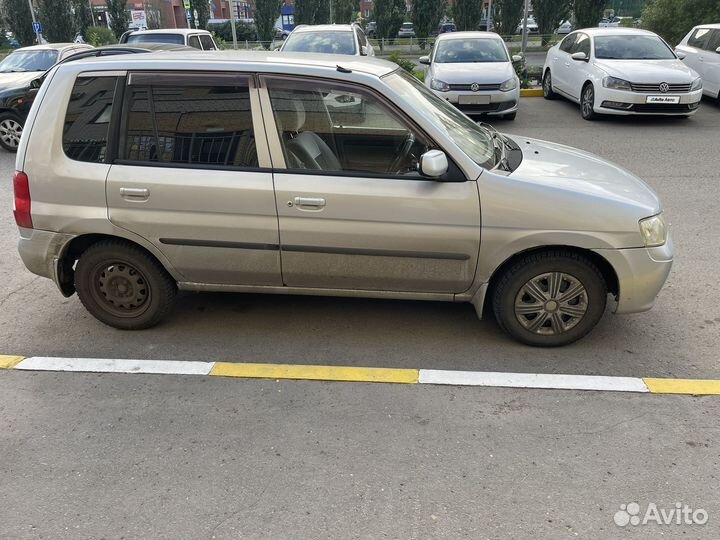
[
  {"x": 9, "y": 362},
  {"x": 683, "y": 386},
  {"x": 317, "y": 373},
  {"x": 108, "y": 365},
  {"x": 532, "y": 380}
]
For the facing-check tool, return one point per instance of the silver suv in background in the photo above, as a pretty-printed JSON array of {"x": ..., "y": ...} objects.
[
  {"x": 140, "y": 175},
  {"x": 197, "y": 39},
  {"x": 328, "y": 39}
]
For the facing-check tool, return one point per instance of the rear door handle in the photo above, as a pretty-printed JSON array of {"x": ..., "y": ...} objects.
[
  {"x": 310, "y": 202},
  {"x": 134, "y": 194}
]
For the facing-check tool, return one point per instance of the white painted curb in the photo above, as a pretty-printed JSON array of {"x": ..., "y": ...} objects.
[{"x": 108, "y": 365}]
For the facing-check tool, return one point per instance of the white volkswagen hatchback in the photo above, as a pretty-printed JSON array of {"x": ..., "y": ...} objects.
[{"x": 621, "y": 71}]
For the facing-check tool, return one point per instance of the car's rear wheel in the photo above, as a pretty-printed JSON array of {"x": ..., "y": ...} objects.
[
  {"x": 549, "y": 299},
  {"x": 10, "y": 131},
  {"x": 587, "y": 102},
  {"x": 547, "y": 86},
  {"x": 123, "y": 286}
]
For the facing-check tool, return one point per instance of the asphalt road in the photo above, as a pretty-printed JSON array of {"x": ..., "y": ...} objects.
[{"x": 144, "y": 456}]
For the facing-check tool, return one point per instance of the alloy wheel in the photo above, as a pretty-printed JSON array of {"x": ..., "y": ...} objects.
[
  {"x": 588, "y": 101},
  {"x": 10, "y": 132}
]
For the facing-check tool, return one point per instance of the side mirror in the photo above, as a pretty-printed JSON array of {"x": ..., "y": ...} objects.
[
  {"x": 433, "y": 163},
  {"x": 424, "y": 60},
  {"x": 681, "y": 55},
  {"x": 517, "y": 58},
  {"x": 37, "y": 83},
  {"x": 717, "y": 50},
  {"x": 579, "y": 57}
]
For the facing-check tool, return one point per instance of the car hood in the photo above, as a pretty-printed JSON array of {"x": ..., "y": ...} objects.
[
  {"x": 582, "y": 177},
  {"x": 14, "y": 80},
  {"x": 479, "y": 72},
  {"x": 649, "y": 71}
]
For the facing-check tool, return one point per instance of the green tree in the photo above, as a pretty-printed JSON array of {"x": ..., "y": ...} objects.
[
  {"x": 266, "y": 12},
  {"x": 345, "y": 11},
  {"x": 549, "y": 14},
  {"x": 467, "y": 14},
  {"x": 312, "y": 11},
  {"x": 589, "y": 12},
  {"x": 389, "y": 16},
  {"x": 507, "y": 15},
  {"x": 426, "y": 15},
  {"x": 57, "y": 19},
  {"x": 19, "y": 20},
  {"x": 673, "y": 19},
  {"x": 203, "y": 11},
  {"x": 117, "y": 10},
  {"x": 82, "y": 17}
]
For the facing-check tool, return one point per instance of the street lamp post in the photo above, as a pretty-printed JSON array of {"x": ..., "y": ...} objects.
[{"x": 489, "y": 16}]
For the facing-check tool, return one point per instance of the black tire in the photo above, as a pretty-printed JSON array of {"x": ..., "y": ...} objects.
[
  {"x": 123, "y": 286},
  {"x": 547, "y": 86},
  {"x": 510, "y": 116},
  {"x": 510, "y": 298},
  {"x": 587, "y": 102},
  {"x": 11, "y": 127}
]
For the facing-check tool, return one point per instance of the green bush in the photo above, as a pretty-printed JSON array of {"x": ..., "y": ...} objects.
[
  {"x": 100, "y": 35},
  {"x": 404, "y": 63},
  {"x": 420, "y": 75}
]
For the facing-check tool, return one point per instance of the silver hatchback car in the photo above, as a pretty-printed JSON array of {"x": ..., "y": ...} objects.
[{"x": 321, "y": 175}]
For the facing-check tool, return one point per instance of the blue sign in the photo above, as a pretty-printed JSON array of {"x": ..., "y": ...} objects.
[{"x": 37, "y": 27}]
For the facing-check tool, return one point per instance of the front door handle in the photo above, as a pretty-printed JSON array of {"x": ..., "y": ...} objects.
[
  {"x": 134, "y": 194},
  {"x": 311, "y": 202}
]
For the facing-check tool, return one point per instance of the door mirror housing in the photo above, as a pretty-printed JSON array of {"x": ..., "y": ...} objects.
[
  {"x": 424, "y": 60},
  {"x": 517, "y": 58},
  {"x": 579, "y": 57},
  {"x": 37, "y": 83},
  {"x": 433, "y": 164},
  {"x": 717, "y": 50},
  {"x": 681, "y": 55}
]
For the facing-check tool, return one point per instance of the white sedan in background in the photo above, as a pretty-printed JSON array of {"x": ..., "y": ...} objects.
[
  {"x": 474, "y": 71},
  {"x": 621, "y": 71}
]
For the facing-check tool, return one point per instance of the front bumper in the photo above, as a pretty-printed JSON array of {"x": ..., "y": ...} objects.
[
  {"x": 40, "y": 251},
  {"x": 622, "y": 102},
  {"x": 498, "y": 102},
  {"x": 641, "y": 274}
]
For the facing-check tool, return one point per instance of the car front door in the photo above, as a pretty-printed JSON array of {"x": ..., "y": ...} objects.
[
  {"x": 710, "y": 60},
  {"x": 354, "y": 213},
  {"x": 192, "y": 176}
]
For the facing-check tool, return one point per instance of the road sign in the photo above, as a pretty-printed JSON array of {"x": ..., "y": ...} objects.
[
  {"x": 37, "y": 27},
  {"x": 187, "y": 5}
]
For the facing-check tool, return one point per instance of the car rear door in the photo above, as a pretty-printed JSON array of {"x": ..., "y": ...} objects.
[
  {"x": 192, "y": 176},
  {"x": 353, "y": 211},
  {"x": 694, "y": 48},
  {"x": 560, "y": 62}
]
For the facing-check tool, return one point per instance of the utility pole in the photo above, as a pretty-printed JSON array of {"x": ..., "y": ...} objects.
[
  {"x": 331, "y": 13},
  {"x": 232, "y": 23},
  {"x": 38, "y": 33},
  {"x": 489, "y": 16},
  {"x": 92, "y": 13},
  {"x": 525, "y": 28}
]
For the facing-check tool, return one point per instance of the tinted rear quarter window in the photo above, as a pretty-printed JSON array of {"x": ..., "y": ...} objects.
[{"x": 87, "y": 119}]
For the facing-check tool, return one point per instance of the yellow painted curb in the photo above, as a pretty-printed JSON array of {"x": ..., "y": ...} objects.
[
  {"x": 683, "y": 386},
  {"x": 9, "y": 362},
  {"x": 315, "y": 373},
  {"x": 531, "y": 92}
]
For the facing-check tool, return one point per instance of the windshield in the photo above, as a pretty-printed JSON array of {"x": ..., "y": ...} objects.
[
  {"x": 40, "y": 60},
  {"x": 632, "y": 48},
  {"x": 156, "y": 38},
  {"x": 473, "y": 140},
  {"x": 455, "y": 51},
  {"x": 320, "y": 42}
]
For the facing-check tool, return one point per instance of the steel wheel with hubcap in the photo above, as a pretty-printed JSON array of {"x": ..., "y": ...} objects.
[
  {"x": 549, "y": 299},
  {"x": 587, "y": 102},
  {"x": 10, "y": 131}
]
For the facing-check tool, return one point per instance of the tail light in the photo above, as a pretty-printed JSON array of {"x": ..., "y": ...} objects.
[{"x": 21, "y": 208}]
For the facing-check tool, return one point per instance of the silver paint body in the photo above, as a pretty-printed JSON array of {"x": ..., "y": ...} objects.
[{"x": 370, "y": 237}]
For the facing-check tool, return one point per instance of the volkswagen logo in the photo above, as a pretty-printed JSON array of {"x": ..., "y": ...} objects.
[
  {"x": 475, "y": 87},
  {"x": 664, "y": 87}
]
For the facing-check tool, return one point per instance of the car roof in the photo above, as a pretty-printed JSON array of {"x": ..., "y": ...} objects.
[
  {"x": 182, "y": 31},
  {"x": 714, "y": 26},
  {"x": 263, "y": 61},
  {"x": 466, "y": 35},
  {"x": 616, "y": 31},
  {"x": 324, "y": 28},
  {"x": 149, "y": 46},
  {"x": 54, "y": 46}
]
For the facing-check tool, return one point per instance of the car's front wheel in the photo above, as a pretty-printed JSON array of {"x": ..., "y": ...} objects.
[
  {"x": 10, "y": 131},
  {"x": 549, "y": 299},
  {"x": 587, "y": 102},
  {"x": 123, "y": 286}
]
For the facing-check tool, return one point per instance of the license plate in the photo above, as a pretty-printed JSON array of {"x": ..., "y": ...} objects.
[
  {"x": 474, "y": 100},
  {"x": 669, "y": 100}
]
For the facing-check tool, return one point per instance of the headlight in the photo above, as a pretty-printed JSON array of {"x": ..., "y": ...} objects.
[
  {"x": 654, "y": 231},
  {"x": 616, "y": 84},
  {"x": 439, "y": 85},
  {"x": 508, "y": 85},
  {"x": 696, "y": 85}
]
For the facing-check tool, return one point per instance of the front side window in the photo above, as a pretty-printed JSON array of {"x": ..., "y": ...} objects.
[
  {"x": 185, "y": 123},
  {"x": 631, "y": 47},
  {"x": 207, "y": 42},
  {"x": 320, "y": 42},
  {"x": 714, "y": 41},
  {"x": 87, "y": 119},
  {"x": 582, "y": 44},
  {"x": 568, "y": 42},
  {"x": 456, "y": 51},
  {"x": 38, "y": 60},
  {"x": 700, "y": 38},
  {"x": 194, "y": 42},
  {"x": 335, "y": 127}
]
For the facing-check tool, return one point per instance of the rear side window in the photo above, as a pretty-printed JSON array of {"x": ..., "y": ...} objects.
[
  {"x": 193, "y": 41},
  {"x": 714, "y": 41},
  {"x": 189, "y": 124},
  {"x": 87, "y": 120},
  {"x": 568, "y": 42},
  {"x": 207, "y": 42}
]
